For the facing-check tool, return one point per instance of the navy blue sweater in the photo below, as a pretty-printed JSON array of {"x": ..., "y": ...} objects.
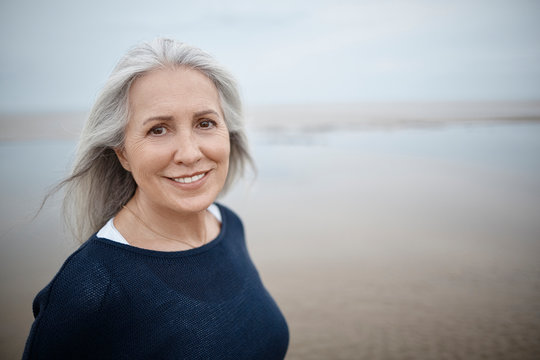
[{"x": 114, "y": 301}]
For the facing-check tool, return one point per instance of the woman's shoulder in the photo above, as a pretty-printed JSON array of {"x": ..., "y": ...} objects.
[
  {"x": 88, "y": 259},
  {"x": 81, "y": 282},
  {"x": 70, "y": 305}
]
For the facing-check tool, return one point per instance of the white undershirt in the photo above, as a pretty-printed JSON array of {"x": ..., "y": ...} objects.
[{"x": 109, "y": 231}]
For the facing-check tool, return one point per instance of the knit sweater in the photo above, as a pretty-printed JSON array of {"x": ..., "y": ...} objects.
[{"x": 115, "y": 301}]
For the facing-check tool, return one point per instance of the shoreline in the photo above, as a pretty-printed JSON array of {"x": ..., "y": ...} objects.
[{"x": 366, "y": 116}]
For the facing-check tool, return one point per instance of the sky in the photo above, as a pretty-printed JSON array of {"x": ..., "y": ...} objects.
[{"x": 57, "y": 54}]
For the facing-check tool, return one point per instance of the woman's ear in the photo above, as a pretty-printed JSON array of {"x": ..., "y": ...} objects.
[{"x": 120, "y": 154}]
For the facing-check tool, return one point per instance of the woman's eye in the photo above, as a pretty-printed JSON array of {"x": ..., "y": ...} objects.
[
  {"x": 207, "y": 124},
  {"x": 158, "y": 131}
]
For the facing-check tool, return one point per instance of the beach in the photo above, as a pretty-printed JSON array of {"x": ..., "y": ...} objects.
[{"x": 383, "y": 232}]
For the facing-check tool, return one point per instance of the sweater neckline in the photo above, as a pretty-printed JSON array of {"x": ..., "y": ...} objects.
[{"x": 169, "y": 254}]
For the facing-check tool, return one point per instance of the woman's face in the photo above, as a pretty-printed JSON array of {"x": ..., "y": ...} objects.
[{"x": 176, "y": 142}]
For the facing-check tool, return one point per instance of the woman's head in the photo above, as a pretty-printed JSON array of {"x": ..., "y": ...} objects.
[
  {"x": 176, "y": 143},
  {"x": 99, "y": 184}
]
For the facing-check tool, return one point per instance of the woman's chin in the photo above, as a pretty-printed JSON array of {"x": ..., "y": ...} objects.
[{"x": 193, "y": 205}]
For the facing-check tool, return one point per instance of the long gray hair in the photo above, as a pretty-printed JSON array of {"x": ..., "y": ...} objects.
[{"x": 98, "y": 185}]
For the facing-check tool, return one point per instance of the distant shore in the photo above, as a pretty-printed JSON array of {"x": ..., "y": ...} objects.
[{"x": 308, "y": 117}]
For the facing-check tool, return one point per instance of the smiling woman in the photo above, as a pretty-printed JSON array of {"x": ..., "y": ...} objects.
[{"x": 165, "y": 273}]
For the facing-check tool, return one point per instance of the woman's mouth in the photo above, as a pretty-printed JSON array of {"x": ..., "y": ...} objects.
[{"x": 189, "y": 179}]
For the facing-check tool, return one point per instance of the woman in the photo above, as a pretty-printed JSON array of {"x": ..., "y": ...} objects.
[{"x": 165, "y": 273}]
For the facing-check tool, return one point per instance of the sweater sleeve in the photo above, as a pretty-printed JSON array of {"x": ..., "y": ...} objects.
[{"x": 67, "y": 312}]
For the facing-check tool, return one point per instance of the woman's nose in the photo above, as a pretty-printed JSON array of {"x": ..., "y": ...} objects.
[{"x": 187, "y": 149}]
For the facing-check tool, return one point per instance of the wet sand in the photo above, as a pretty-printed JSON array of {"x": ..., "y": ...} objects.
[
  {"x": 380, "y": 242},
  {"x": 382, "y": 255}
]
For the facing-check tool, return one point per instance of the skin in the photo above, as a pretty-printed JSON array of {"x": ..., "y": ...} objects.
[{"x": 176, "y": 129}]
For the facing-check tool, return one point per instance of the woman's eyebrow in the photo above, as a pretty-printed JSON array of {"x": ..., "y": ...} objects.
[
  {"x": 158, "y": 118},
  {"x": 205, "y": 112},
  {"x": 169, "y": 118}
]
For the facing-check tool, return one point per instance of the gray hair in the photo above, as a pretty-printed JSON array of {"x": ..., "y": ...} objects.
[{"x": 99, "y": 186}]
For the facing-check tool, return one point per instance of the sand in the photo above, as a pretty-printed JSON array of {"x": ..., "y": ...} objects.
[{"x": 410, "y": 258}]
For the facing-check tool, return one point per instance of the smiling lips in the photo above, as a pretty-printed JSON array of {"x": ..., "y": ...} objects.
[{"x": 189, "y": 179}]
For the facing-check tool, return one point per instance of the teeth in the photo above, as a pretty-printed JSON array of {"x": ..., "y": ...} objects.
[{"x": 189, "y": 179}]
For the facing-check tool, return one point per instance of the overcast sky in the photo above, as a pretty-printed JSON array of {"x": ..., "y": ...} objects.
[{"x": 56, "y": 54}]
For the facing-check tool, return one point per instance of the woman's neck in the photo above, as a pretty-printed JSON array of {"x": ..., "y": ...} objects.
[{"x": 148, "y": 226}]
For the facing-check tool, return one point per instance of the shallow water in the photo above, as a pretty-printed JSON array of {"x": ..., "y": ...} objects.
[{"x": 410, "y": 243}]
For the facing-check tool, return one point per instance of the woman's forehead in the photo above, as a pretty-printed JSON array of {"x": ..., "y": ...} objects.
[{"x": 173, "y": 90}]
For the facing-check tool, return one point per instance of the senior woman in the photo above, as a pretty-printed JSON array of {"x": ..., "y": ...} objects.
[{"x": 165, "y": 273}]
